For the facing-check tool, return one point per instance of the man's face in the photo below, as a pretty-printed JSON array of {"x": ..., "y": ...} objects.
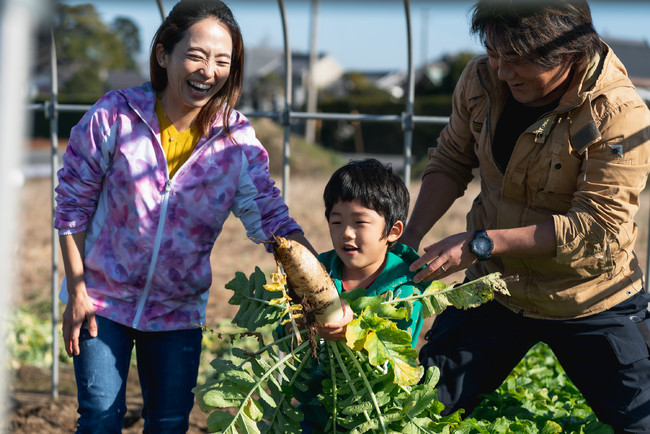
[{"x": 531, "y": 84}]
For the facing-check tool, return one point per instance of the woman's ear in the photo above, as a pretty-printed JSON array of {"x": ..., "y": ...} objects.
[
  {"x": 161, "y": 56},
  {"x": 395, "y": 231}
]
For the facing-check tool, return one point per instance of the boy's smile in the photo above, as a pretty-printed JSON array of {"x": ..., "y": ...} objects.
[{"x": 359, "y": 239}]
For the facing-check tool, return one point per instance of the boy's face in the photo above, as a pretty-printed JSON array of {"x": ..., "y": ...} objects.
[{"x": 357, "y": 234}]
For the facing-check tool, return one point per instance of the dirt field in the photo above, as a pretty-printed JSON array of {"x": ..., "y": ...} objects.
[{"x": 30, "y": 408}]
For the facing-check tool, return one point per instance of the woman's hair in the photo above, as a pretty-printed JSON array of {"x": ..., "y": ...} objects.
[
  {"x": 544, "y": 32},
  {"x": 373, "y": 185},
  {"x": 173, "y": 29}
]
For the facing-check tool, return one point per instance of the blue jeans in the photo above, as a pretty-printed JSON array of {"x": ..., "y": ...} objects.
[{"x": 168, "y": 365}]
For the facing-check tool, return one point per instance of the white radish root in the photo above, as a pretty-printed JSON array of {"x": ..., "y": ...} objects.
[{"x": 308, "y": 279}]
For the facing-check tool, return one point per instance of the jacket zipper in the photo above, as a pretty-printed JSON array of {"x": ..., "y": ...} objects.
[
  {"x": 159, "y": 232},
  {"x": 154, "y": 256}
]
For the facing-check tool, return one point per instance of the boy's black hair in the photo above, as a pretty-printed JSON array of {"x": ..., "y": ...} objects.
[{"x": 373, "y": 185}]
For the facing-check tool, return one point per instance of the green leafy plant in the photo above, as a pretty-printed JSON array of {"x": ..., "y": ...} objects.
[
  {"x": 28, "y": 340},
  {"x": 369, "y": 383},
  {"x": 537, "y": 397}
]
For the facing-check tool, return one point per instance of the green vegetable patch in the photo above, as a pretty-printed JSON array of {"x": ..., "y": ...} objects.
[{"x": 369, "y": 383}]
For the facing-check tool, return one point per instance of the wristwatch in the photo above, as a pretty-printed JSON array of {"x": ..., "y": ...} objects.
[{"x": 481, "y": 245}]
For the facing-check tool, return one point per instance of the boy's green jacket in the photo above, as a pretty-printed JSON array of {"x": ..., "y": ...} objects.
[{"x": 395, "y": 277}]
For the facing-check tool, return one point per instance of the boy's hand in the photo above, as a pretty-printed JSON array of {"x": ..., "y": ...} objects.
[{"x": 335, "y": 331}]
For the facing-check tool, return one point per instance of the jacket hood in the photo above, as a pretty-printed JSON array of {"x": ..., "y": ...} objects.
[
  {"x": 143, "y": 100},
  {"x": 603, "y": 72}
]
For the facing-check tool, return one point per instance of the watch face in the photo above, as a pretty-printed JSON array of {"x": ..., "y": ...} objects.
[{"x": 482, "y": 246}]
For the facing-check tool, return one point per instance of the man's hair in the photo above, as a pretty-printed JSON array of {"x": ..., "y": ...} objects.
[
  {"x": 373, "y": 185},
  {"x": 173, "y": 29},
  {"x": 544, "y": 32}
]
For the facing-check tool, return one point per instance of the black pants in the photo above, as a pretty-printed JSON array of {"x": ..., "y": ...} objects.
[{"x": 606, "y": 356}]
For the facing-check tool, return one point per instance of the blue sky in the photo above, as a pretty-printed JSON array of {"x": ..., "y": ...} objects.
[{"x": 370, "y": 35}]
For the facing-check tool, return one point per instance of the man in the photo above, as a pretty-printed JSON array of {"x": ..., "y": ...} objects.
[{"x": 562, "y": 143}]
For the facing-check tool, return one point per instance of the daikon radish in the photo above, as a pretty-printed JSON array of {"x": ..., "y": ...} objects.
[{"x": 309, "y": 279}]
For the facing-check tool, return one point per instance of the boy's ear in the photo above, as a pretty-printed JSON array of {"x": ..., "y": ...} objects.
[{"x": 395, "y": 231}]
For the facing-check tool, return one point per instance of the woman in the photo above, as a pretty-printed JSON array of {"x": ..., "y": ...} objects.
[
  {"x": 149, "y": 177},
  {"x": 562, "y": 142}
]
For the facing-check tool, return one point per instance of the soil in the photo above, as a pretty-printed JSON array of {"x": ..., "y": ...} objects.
[{"x": 29, "y": 406}]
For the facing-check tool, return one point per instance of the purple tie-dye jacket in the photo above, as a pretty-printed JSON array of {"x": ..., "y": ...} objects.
[{"x": 149, "y": 238}]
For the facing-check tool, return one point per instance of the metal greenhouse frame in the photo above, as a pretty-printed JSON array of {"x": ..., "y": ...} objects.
[{"x": 406, "y": 118}]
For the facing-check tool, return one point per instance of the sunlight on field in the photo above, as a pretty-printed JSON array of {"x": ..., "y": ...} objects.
[{"x": 233, "y": 251}]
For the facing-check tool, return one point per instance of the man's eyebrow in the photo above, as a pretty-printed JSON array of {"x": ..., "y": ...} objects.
[{"x": 510, "y": 53}]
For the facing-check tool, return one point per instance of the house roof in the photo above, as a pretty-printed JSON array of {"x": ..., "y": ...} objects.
[
  {"x": 635, "y": 55},
  {"x": 124, "y": 79},
  {"x": 261, "y": 61}
]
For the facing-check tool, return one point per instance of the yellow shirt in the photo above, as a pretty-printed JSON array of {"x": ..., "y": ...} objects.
[{"x": 178, "y": 146}]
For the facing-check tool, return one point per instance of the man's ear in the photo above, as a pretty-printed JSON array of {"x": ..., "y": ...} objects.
[{"x": 395, "y": 231}]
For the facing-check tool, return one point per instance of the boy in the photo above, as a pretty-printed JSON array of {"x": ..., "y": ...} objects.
[{"x": 366, "y": 206}]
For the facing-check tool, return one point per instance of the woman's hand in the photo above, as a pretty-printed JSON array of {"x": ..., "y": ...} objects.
[
  {"x": 448, "y": 255},
  {"x": 335, "y": 331},
  {"x": 78, "y": 309}
]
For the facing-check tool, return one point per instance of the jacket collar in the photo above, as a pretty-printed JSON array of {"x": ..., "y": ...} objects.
[
  {"x": 589, "y": 81},
  {"x": 394, "y": 274},
  {"x": 142, "y": 99}
]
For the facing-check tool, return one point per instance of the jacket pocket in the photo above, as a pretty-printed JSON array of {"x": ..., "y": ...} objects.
[
  {"x": 589, "y": 253},
  {"x": 556, "y": 177},
  {"x": 631, "y": 342}
]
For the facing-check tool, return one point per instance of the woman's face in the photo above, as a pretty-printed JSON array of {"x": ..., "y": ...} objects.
[
  {"x": 531, "y": 84},
  {"x": 197, "y": 67}
]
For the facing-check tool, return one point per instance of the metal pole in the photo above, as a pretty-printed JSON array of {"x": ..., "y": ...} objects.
[
  {"x": 286, "y": 114},
  {"x": 53, "y": 114},
  {"x": 407, "y": 123},
  {"x": 18, "y": 20},
  {"x": 161, "y": 8},
  {"x": 424, "y": 37},
  {"x": 312, "y": 91}
]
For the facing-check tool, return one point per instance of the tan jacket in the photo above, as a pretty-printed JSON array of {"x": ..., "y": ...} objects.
[{"x": 582, "y": 165}]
